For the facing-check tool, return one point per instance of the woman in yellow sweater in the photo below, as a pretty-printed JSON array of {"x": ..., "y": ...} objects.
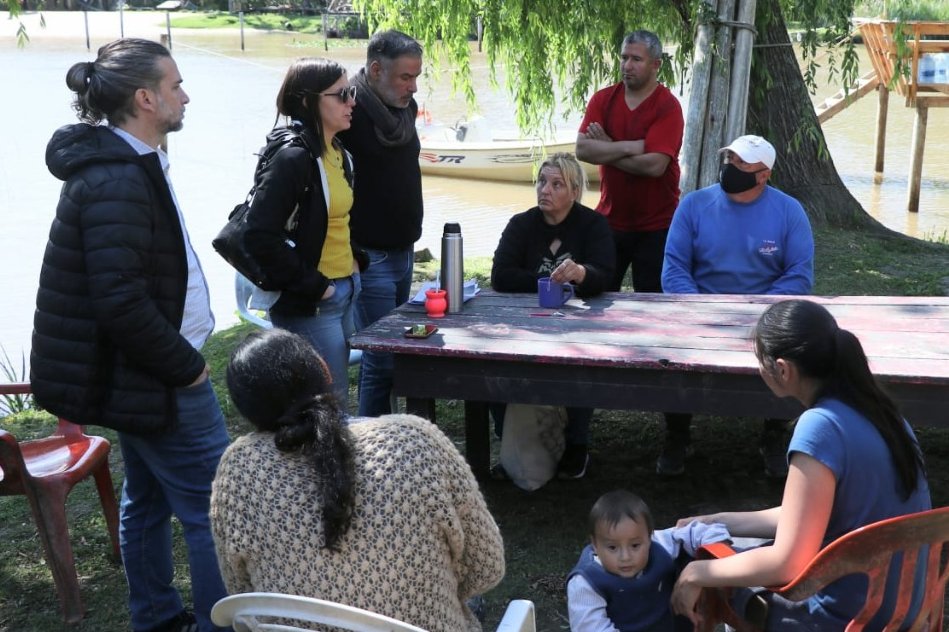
[{"x": 298, "y": 223}]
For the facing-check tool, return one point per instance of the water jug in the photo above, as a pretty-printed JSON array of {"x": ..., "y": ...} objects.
[
  {"x": 453, "y": 270},
  {"x": 941, "y": 72},
  {"x": 927, "y": 69}
]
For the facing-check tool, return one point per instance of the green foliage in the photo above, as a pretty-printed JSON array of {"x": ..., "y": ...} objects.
[
  {"x": 10, "y": 404},
  {"x": 477, "y": 268},
  {"x": 923, "y": 10},
  {"x": 551, "y": 53},
  {"x": 939, "y": 238},
  {"x": 22, "y": 37},
  {"x": 826, "y": 33},
  {"x": 261, "y": 21},
  {"x": 555, "y": 55}
]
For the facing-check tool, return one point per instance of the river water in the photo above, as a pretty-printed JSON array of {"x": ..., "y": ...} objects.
[{"x": 232, "y": 107}]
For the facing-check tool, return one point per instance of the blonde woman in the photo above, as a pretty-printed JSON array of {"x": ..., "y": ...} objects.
[{"x": 570, "y": 243}]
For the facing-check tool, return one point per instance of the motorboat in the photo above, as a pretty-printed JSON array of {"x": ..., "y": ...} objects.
[{"x": 471, "y": 149}]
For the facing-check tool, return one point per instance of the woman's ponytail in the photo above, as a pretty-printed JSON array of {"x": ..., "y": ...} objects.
[
  {"x": 807, "y": 334},
  {"x": 281, "y": 385}
]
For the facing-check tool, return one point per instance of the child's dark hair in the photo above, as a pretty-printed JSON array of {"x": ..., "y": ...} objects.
[
  {"x": 613, "y": 506},
  {"x": 280, "y": 384},
  {"x": 805, "y": 333}
]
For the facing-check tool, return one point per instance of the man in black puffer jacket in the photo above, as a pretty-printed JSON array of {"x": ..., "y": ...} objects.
[{"x": 122, "y": 312}]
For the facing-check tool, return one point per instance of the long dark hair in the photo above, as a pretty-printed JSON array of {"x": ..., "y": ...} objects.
[
  {"x": 105, "y": 88},
  {"x": 299, "y": 95},
  {"x": 281, "y": 385},
  {"x": 807, "y": 334}
]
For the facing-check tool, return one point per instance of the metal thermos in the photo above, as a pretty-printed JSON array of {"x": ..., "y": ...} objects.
[{"x": 453, "y": 267}]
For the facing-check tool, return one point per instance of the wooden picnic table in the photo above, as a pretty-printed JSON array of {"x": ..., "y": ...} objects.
[{"x": 655, "y": 352}]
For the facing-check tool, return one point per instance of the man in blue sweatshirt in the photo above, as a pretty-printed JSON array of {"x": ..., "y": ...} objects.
[{"x": 740, "y": 236}]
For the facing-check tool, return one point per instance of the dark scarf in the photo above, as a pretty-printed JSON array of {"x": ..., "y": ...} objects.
[{"x": 393, "y": 129}]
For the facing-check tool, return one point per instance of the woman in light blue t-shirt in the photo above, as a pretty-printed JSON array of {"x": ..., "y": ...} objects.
[{"x": 853, "y": 460}]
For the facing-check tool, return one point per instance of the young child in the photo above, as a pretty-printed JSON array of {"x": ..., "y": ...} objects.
[{"x": 624, "y": 578}]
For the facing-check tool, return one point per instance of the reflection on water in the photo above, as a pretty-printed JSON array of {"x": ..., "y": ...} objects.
[{"x": 232, "y": 108}]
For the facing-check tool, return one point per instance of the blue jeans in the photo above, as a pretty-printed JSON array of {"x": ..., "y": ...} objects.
[
  {"x": 385, "y": 286},
  {"x": 164, "y": 475},
  {"x": 329, "y": 330}
]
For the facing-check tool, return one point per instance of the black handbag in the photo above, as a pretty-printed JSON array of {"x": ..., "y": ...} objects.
[{"x": 230, "y": 242}]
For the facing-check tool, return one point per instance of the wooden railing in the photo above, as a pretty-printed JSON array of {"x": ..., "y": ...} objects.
[{"x": 880, "y": 41}]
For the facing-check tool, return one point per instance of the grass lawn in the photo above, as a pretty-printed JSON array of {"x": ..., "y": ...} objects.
[
  {"x": 257, "y": 21},
  {"x": 544, "y": 530}
]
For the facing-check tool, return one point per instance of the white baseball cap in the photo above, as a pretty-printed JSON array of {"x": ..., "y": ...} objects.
[{"x": 752, "y": 149}]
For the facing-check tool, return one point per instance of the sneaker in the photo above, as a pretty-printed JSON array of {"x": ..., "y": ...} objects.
[
  {"x": 671, "y": 461},
  {"x": 774, "y": 453},
  {"x": 184, "y": 621},
  {"x": 573, "y": 464}
]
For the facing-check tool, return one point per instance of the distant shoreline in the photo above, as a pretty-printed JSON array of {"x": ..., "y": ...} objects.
[{"x": 71, "y": 24}]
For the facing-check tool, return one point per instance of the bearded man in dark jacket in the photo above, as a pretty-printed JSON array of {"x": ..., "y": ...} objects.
[{"x": 122, "y": 312}]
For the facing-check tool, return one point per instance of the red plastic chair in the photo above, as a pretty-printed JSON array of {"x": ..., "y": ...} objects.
[
  {"x": 45, "y": 471},
  {"x": 866, "y": 550}
]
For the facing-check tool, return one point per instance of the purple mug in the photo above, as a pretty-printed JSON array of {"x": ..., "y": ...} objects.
[{"x": 553, "y": 294}]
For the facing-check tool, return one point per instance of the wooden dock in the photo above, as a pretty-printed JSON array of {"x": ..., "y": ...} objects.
[{"x": 896, "y": 62}]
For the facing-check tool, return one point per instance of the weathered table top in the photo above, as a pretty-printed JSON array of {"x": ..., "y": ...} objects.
[{"x": 662, "y": 352}]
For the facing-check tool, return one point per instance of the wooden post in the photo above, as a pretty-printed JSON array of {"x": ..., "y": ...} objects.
[
  {"x": 168, "y": 27},
  {"x": 698, "y": 100},
  {"x": 741, "y": 72},
  {"x": 85, "y": 17},
  {"x": 326, "y": 45},
  {"x": 883, "y": 103},
  {"x": 240, "y": 16},
  {"x": 717, "y": 108},
  {"x": 916, "y": 162},
  {"x": 122, "y": 20}
]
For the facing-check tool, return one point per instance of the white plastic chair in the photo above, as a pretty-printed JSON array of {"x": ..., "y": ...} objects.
[
  {"x": 243, "y": 611},
  {"x": 242, "y": 292},
  {"x": 519, "y": 617}
]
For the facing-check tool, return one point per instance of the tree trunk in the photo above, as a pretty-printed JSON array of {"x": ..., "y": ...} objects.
[{"x": 780, "y": 109}]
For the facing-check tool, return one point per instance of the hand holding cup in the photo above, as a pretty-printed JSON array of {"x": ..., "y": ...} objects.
[
  {"x": 569, "y": 272},
  {"x": 553, "y": 294}
]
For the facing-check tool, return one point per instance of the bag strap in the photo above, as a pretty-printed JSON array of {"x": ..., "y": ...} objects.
[{"x": 268, "y": 151}]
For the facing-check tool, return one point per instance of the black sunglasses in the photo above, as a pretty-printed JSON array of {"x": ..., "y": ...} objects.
[{"x": 344, "y": 95}]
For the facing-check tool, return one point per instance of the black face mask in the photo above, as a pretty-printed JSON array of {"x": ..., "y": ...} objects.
[{"x": 734, "y": 180}]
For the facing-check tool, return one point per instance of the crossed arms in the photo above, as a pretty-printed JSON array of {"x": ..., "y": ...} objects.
[{"x": 596, "y": 147}]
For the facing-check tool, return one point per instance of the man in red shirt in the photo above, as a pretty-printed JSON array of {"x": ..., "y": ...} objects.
[{"x": 633, "y": 130}]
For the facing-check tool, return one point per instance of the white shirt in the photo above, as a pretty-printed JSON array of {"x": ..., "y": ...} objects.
[{"x": 197, "y": 322}]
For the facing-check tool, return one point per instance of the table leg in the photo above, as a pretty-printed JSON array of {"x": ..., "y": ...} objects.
[
  {"x": 422, "y": 407},
  {"x": 477, "y": 438}
]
